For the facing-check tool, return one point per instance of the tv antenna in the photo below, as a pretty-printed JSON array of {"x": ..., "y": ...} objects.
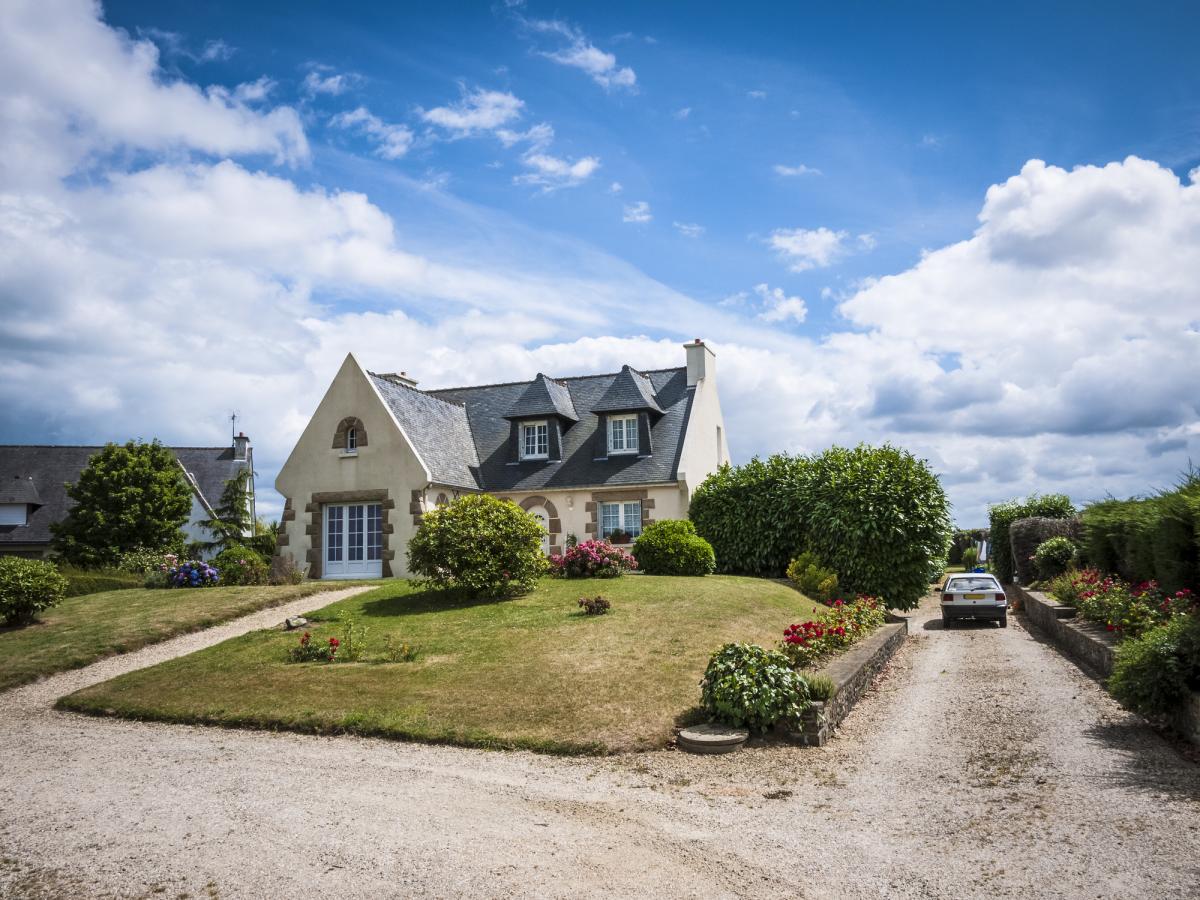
[{"x": 233, "y": 417}]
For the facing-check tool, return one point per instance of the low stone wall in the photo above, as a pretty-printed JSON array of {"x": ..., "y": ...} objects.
[
  {"x": 852, "y": 673},
  {"x": 1093, "y": 647}
]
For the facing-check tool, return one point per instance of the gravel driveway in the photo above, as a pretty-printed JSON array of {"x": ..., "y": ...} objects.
[{"x": 982, "y": 765}]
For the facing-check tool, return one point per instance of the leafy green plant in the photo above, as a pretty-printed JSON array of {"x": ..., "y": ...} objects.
[
  {"x": 834, "y": 629},
  {"x": 672, "y": 547},
  {"x": 141, "y": 560},
  {"x": 479, "y": 544},
  {"x": 811, "y": 578},
  {"x": 1053, "y": 556},
  {"x": 1001, "y": 516},
  {"x": 747, "y": 686},
  {"x": 397, "y": 651},
  {"x": 354, "y": 639},
  {"x": 820, "y": 687},
  {"x": 231, "y": 521},
  {"x": 970, "y": 557},
  {"x": 1153, "y": 673},
  {"x": 27, "y": 586},
  {"x": 595, "y": 606},
  {"x": 311, "y": 649},
  {"x": 241, "y": 565},
  {"x": 126, "y": 497},
  {"x": 81, "y": 582}
]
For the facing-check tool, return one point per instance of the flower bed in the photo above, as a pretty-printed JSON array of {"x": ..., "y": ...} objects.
[
  {"x": 832, "y": 630},
  {"x": 592, "y": 559},
  {"x": 1128, "y": 610}
]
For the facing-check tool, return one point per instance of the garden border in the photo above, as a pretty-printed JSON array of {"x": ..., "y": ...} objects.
[
  {"x": 852, "y": 673},
  {"x": 1092, "y": 648}
]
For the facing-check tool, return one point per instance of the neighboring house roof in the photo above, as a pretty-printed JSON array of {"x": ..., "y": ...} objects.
[
  {"x": 488, "y": 408},
  {"x": 49, "y": 468},
  {"x": 438, "y": 429}
]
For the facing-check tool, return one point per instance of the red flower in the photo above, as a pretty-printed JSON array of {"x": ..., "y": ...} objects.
[{"x": 1109, "y": 626}]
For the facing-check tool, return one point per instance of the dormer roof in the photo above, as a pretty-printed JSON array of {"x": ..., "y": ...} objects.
[
  {"x": 630, "y": 391},
  {"x": 542, "y": 398},
  {"x": 20, "y": 489}
]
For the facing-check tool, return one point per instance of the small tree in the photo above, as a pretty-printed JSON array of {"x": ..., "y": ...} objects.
[
  {"x": 127, "y": 497},
  {"x": 488, "y": 547},
  {"x": 231, "y": 522}
]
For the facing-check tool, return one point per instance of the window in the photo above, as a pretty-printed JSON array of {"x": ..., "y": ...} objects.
[
  {"x": 13, "y": 514},
  {"x": 535, "y": 440},
  {"x": 353, "y": 540},
  {"x": 626, "y": 517},
  {"x": 333, "y": 534},
  {"x": 352, "y": 440},
  {"x": 623, "y": 434}
]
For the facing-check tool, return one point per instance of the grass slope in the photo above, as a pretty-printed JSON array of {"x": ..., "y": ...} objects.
[
  {"x": 531, "y": 672},
  {"x": 86, "y": 628}
]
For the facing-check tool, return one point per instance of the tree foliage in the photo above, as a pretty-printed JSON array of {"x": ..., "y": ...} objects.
[
  {"x": 127, "y": 497},
  {"x": 231, "y": 523},
  {"x": 1002, "y": 515}
]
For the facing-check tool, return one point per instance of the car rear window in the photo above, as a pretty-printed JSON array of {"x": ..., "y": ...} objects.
[{"x": 958, "y": 585}]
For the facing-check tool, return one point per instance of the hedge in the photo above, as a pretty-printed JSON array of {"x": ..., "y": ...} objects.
[
  {"x": 89, "y": 581},
  {"x": 1026, "y": 535},
  {"x": 1002, "y": 515},
  {"x": 1153, "y": 538}
]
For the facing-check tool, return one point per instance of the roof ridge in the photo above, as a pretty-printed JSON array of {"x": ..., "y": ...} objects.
[
  {"x": 468, "y": 387},
  {"x": 415, "y": 390}
]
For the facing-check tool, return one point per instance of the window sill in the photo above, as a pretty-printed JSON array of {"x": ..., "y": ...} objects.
[
  {"x": 622, "y": 452},
  {"x": 347, "y": 454}
]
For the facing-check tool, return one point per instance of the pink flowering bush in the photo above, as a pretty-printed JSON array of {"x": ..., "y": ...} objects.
[
  {"x": 1128, "y": 610},
  {"x": 592, "y": 559},
  {"x": 832, "y": 630}
]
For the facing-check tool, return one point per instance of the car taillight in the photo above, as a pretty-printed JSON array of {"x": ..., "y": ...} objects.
[
  {"x": 1000, "y": 598},
  {"x": 947, "y": 598}
]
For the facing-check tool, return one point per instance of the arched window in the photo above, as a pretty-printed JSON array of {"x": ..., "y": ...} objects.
[
  {"x": 351, "y": 440},
  {"x": 350, "y": 436}
]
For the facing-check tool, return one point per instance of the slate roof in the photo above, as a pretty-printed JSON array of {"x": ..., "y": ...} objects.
[
  {"x": 438, "y": 430},
  {"x": 544, "y": 397},
  {"x": 487, "y": 407},
  {"x": 50, "y": 467},
  {"x": 20, "y": 489}
]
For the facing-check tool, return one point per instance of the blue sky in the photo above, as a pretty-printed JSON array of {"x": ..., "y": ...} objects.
[{"x": 969, "y": 231}]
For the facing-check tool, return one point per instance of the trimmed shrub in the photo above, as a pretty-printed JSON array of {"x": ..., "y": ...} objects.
[
  {"x": 27, "y": 586},
  {"x": 811, "y": 578},
  {"x": 1026, "y": 535},
  {"x": 479, "y": 544},
  {"x": 592, "y": 559},
  {"x": 747, "y": 686},
  {"x": 1001, "y": 516},
  {"x": 241, "y": 565},
  {"x": 1054, "y": 555},
  {"x": 81, "y": 582},
  {"x": 1154, "y": 673},
  {"x": 672, "y": 547}
]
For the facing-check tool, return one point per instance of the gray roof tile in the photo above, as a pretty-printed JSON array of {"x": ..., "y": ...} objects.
[
  {"x": 438, "y": 429},
  {"x": 544, "y": 397}
]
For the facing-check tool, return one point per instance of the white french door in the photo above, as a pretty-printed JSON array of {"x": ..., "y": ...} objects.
[{"x": 353, "y": 541}]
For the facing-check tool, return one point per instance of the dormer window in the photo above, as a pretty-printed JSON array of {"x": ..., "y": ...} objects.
[
  {"x": 535, "y": 440},
  {"x": 622, "y": 434},
  {"x": 14, "y": 514}
]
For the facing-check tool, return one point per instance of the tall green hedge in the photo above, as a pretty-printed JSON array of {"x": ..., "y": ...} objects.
[
  {"x": 1150, "y": 538},
  {"x": 876, "y": 515},
  {"x": 1002, "y": 515}
]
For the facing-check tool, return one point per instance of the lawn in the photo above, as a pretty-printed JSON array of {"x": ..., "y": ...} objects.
[
  {"x": 86, "y": 628},
  {"x": 531, "y": 672}
]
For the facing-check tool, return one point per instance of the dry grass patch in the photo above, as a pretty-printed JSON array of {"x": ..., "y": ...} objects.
[{"x": 531, "y": 672}]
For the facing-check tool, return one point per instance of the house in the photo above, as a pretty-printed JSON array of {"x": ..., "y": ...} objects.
[
  {"x": 586, "y": 455},
  {"x": 33, "y": 488}
]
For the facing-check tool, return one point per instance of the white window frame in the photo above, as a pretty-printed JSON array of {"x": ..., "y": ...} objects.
[
  {"x": 628, "y": 517},
  {"x": 351, "y": 439},
  {"x": 541, "y": 439},
  {"x": 620, "y": 426}
]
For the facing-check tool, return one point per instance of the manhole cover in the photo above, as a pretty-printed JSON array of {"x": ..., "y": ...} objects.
[{"x": 712, "y": 738}]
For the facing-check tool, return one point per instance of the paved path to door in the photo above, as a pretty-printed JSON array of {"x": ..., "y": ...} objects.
[{"x": 982, "y": 765}]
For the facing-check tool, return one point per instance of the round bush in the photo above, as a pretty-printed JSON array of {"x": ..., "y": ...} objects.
[
  {"x": 1053, "y": 556},
  {"x": 672, "y": 547},
  {"x": 241, "y": 565},
  {"x": 592, "y": 559},
  {"x": 27, "y": 586},
  {"x": 1154, "y": 673},
  {"x": 477, "y": 543},
  {"x": 747, "y": 686}
]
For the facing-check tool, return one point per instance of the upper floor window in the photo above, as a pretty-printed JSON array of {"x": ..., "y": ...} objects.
[
  {"x": 351, "y": 440},
  {"x": 14, "y": 514},
  {"x": 623, "y": 434},
  {"x": 350, "y": 436},
  {"x": 535, "y": 440}
]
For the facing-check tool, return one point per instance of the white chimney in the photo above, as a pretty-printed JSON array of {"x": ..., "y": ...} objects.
[
  {"x": 400, "y": 378},
  {"x": 701, "y": 362},
  {"x": 241, "y": 444}
]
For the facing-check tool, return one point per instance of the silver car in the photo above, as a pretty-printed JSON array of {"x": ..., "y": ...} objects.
[{"x": 973, "y": 596}]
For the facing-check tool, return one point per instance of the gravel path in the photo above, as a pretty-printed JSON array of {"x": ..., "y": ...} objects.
[{"x": 982, "y": 765}]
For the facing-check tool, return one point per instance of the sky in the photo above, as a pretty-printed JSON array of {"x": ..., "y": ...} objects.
[{"x": 970, "y": 232}]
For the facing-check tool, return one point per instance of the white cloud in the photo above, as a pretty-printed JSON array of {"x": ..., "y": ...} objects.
[
  {"x": 683, "y": 113},
  {"x": 216, "y": 51},
  {"x": 932, "y": 141},
  {"x": 778, "y": 306},
  {"x": 478, "y": 110},
  {"x": 804, "y": 248},
  {"x": 615, "y": 188},
  {"x": 689, "y": 229},
  {"x": 254, "y": 91},
  {"x": 580, "y": 53},
  {"x": 391, "y": 141},
  {"x": 867, "y": 241},
  {"x": 757, "y": 95},
  {"x": 638, "y": 212},
  {"x": 537, "y": 136},
  {"x": 324, "y": 80},
  {"x": 553, "y": 172},
  {"x": 793, "y": 171}
]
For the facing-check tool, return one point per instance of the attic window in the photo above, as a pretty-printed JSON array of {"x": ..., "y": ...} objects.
[
  {"x": 350, "y": 436},
  {"x": 14, "y": 514},
  {"x": 622, "y": 434},
  {"x": 351, "y": 440},
  {"x": 535, "y": 440}
]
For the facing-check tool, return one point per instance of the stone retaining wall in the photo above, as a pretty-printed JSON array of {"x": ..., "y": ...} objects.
[
  {"x": 1092, "y": 647},
  {"x": 852, "y": 673}
]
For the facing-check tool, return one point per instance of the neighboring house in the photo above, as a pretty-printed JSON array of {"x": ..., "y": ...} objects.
[
  {"x": 585, "y": 455},
  {"x": 33, "y": 488}
]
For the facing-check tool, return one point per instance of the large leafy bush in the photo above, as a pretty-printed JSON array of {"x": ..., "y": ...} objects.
[
  {"x": 1153, "y": 673},
  {"x": 877, "y": 516},
  {"x": 1001, "y": 516},
  {"x": 747, "y": 686},
  {"x": 479, "y": 544},
  {"x": 811, "y": 578},
  {"x": 1054, "y": 555},
  {"x": 1026, "y": 535},
  {"x": 672, "y": 547},
  {"x": 592, "y": 559},
  {"x": 241, "y": 565},
  {"x": 27, "y": 586}
]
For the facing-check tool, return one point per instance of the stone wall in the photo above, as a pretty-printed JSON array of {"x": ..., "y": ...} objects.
[{"x": 852, "y": 673}]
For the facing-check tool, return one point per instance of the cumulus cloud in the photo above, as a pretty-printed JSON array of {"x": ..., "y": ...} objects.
[
  {"x": 391, "y": 141},
  {"x": 808, "y": 248},
  {"x": 323, "y": 79},
  {"x": 794, "y": 171},
  {"x": 778, "y": 306},
  {"x": 689, "y": 229},
  {"x": 478, "y": 110},
  {"x": 553, "y": 172},
  {"x": 638, "y": 213},
  {"x": 581, "y": 53}
]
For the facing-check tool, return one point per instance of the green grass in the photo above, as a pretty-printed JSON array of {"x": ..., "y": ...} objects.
[
  {"x": 86, "y": 628},
  {"x": 531, "y": 672}
]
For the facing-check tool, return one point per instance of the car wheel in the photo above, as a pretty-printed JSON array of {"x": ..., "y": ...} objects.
[{"x": 1004, "y": 621}]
